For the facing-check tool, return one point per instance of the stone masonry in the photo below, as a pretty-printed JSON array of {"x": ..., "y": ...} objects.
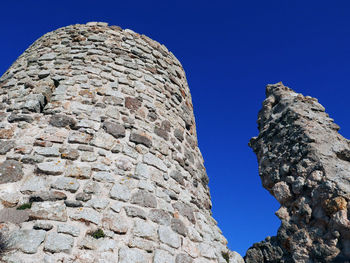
[
  {"x": 98, "y": 154},
  {"x": 304, "y": 164}
]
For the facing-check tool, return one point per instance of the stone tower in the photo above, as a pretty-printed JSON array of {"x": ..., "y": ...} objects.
[{"x": 98, "y": 154}]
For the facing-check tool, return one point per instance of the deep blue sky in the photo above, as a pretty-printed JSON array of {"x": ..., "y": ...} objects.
[{"x": 230, "y": 50}]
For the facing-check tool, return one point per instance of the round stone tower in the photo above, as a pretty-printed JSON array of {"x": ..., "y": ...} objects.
[{"x": 98, "y": 154}]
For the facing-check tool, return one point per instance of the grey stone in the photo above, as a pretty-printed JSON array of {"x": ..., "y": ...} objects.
[
  {"x": 48, "y": 151},
  {"x": 73, "y": 203},
  {"x": 42, "y": 196},
  {"x": 34, "y": 184},
  {"x": 142, "y": 171},
  {"x": 27, "y": 241},
  {"x": 32, "y": 159},
  {"x": 60, "y": 120},
  {"x": 133, "y": 211},
  {"x": 92, "y": 187},
  {"x": 115, "y": 129},
  {"x": 52, "y": 168},
  {"x": 120, "y": 192},
  {"x": 183, "y": 258},
  {"x": 103, "y": 140},
  {"x": 79, "y": 137},
  {"x": 49, "y": 211},
  {"x": 85, "y": 215},
  {"x": 160, "y": 216},
  {"x": 167, "y": 236},
  {"x": 68, "y": 184},
  {"x": 134, "y": 255},
  {"x": 19, "y": 117},
  {"x": 6, "y": 146},
  {"x": 78, "y": 171},
  {"x": 83, "y": 197},
  {"x": 145, "y": 229},
  {"x": 178, "y": 226},
  {"x": 13, "y": 215},
  {"x": 68, "y": 229},
  {"x": 185, "y": 210},
  {"x": 10, "y": 171},
  {"x": 151, "y": 159},
  {"x": 98, "y": 203},
  {"x": 56, "y": 243},
  {"x": 162, "y": 256},
  {"x": 88, "y": 157},
  {"x": 141, "y": 138},
  {"x": 70, "y": 154},
  {"x": 117, "y": 223},
  {"x": 177, "y": 176},
  {"x": 44, "y": 226},
  {"x": 144, "y": 198},
  {"x": 103, "y": 177}
]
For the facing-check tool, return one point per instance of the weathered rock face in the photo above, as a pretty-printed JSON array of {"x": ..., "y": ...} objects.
[
  {"x": 304, "y": 164},
  {"x": 98, "y": 143}
]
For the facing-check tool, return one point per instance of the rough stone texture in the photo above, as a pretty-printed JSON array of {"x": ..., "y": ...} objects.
[
  {"x": 97, "y": 132},
  {"x": 303, "y": 163}
]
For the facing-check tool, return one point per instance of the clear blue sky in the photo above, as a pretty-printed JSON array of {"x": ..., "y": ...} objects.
[{"x": 230, "y": 50}]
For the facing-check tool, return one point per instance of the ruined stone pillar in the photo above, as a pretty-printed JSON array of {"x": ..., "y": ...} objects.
[
  {"x": 305, "y": 164},
  {"x": 98, "y": 154}
]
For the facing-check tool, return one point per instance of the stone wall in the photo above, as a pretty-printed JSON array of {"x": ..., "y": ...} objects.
[
  {"x": 304, "y": 164},
  {"x": 98, "y": 154}
]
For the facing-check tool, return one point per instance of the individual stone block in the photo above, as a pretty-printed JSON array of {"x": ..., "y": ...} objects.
[
  {"x": 27, "y": 241},
  {"x": 79, "y": 137},
  {"x": 103, "y": 140},
  {"x": 48, "y": 151},
  {"x": 42, "y": 196},
  {"x": 103, "y": 177},
  {"x": 52, "y": 168},
  {"x": 34, "y": 184},
  {"x": 60, "y": 120},
  {"x": 10, "y": 171},
  {"x": 12, "y": 215},
  {"x": 70, "y": 154},
  {"x": 160, "y": 216},
  {"x": 134, "y": 255},
  {"x": 162, "y": 256},
  {"x": 135, "y": 212},
  {"x": 78, "y": 171},
  {"x": 49, "y": 211},
  {"x": 56, "y": 243},
  {"x": 141, "y": 138},
  {"x": 115, "y": 129},
  {"x": 85, "y": 215},
  {"x": 6, "y": 146},
  {"x": 144, "y": 198},
  {"x": 42, "y": 225},
  {"x": 178, "y": 177},
  {"x": 133, "y": 103},
  {"x": 98, "y": 203},
  {"x": 144, "y": 229},
  {"x": 68, "y": 229},
  {"x": 117, "y": 223},
  {"x": 120, "y": 192},
  {"x": 68, "y": 184},
  {"x": 185, "y": 210},
  {"x": 88, "y": 157},
  {"x": 151, "y": 159},
  {"x": 183, "y": 258},
  {"x": 178, "y": 226},
  {"x": 167, "y": 236},
  {"x": 124, "y": 164}
]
